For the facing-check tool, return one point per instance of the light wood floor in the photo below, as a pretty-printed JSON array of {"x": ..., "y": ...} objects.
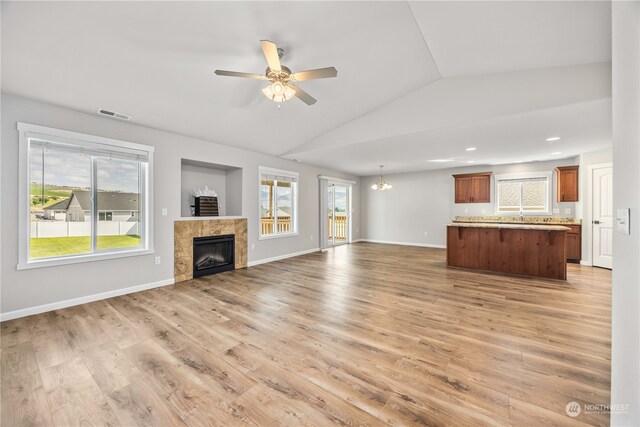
[{"x": 365, "y": 334}]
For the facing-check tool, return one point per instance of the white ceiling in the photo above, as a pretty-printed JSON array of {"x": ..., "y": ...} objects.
[
  {"x": 415, "y": 81},
  {"x": 480, "y": 37}
]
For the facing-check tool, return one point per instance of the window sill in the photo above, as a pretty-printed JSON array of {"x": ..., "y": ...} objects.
[
  {"x": 277, "y": 236},
  {"x": 82, "y": 258}
]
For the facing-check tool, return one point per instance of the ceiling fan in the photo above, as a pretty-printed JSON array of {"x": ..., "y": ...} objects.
[{"x": 282, "y": 87}]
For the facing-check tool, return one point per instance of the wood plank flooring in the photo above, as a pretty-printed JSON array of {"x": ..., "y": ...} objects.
[{"x": 364, "y": 334}]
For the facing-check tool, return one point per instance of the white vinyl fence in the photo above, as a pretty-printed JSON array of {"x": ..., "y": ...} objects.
[{"x": 69, "y": 229}]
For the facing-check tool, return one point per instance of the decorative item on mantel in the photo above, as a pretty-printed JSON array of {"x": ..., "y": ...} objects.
[{"x": 205, "y": 202}]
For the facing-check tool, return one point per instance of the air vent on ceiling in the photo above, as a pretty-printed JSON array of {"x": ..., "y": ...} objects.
[{"x": 113, "y": 114}]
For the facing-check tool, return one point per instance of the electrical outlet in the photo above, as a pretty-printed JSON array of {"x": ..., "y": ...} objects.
[
  {"x": 164, "y": 212},
  {"x": 466, "y": 210},
  {"x": 484, "y": 211},
  {"x": 253, "y": 246},
  {"x": 567, "y": 211},
  {"x": 425, "y": 234},
  {"x": 157, "y": 260},
  {"x": 312, "y": 237},
  {"x": 556, "y": 210}
]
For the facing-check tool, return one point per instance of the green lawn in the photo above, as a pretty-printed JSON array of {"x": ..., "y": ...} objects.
[{"x": 60, "y": 246}]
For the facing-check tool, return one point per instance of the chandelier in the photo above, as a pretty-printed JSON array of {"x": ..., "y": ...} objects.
[{"x": 381, "y": 184}]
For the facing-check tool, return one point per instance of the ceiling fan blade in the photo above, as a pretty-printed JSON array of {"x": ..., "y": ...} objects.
[
  {"x": 238, "y": 74},
  {"x": 320, "y": 73},
  {"x": 270, "y": 51},
  {"x": 302, "y": 95}
]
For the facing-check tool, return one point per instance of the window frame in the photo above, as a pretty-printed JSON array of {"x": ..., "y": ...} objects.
[
  {"x": 548, "y": 175},
  {"x": 262, "y": 170},
  {"x": 27, "y": 131},
  {"x": 105, "y": 214}
]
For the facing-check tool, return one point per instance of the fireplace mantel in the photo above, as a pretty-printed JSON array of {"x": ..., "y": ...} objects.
[{"x": 185, "y": 229}]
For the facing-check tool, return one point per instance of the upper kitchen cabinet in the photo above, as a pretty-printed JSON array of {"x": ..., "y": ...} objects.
[
  {"x": 473, "y": 187},
  {"x": 567, "y": 181}
]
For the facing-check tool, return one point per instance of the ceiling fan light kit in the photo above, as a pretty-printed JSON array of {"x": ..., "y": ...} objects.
[
  {"x": 278, "y": 92},
  {"x": 281, "y": 88}
]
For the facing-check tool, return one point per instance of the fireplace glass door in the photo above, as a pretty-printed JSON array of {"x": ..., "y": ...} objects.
[{"x": 213, "y": 254}]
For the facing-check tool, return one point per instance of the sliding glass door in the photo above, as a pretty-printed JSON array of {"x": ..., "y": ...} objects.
[{"x": 339, "y": 213}]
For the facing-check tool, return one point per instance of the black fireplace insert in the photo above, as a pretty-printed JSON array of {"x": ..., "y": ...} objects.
[{"x": 213, "y": 254}]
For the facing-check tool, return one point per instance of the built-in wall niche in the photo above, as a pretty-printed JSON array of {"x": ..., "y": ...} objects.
[{"x": 225, "y": 180}]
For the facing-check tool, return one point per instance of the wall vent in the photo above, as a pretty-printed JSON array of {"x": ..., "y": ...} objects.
[{"x": 113, "y": 114}]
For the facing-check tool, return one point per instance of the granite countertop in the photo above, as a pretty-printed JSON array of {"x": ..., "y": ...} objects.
[
  {"x": 545, "y": 227},
  {"x": 542, "y": 220},
  {"x": 208, "y": 218}
]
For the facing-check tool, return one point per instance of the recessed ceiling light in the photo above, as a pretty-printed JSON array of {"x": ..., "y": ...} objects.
[
  {"x": 471, "y": 149},
  {"x": 555, "y": 153},
  {"x": 553, "y": 138},
  {"x": 471, "y": 161},
  {"x": 441, "y": 160},
  {"x": 519, "y": 161}
]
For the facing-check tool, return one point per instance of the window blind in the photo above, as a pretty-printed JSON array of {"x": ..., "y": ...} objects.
[
  {"x": 88, "y": 149},
  {"x": 278, "y": 177}
]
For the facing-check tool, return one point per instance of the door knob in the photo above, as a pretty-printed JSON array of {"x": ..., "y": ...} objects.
[{"x": 596, "y": 222}]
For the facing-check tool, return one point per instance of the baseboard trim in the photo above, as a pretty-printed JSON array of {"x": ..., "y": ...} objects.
[
  {"x": 390, "y": 242},
  {"x": 587, "y": 263},
  {"x": 281, "y": 257},
  {"x": 82, "y": 300}
]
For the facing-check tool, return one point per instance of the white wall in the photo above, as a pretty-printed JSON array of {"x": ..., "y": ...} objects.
[
  {"x": 196, "y": 177},
  {"x": 625, "y": 348},
  {"x": 418, "y": 203},
  {"x": 233, "y": 190},
  {"x": 423, "y": 202},
  {"x": 26, "y": 288}
]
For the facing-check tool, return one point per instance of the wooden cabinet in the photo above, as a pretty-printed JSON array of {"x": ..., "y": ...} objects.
[
  {"x": 521, "y": 251},
  {"x": 574, "y": 243},
  {"x": 567, "y": 183},
  {"x": 473, "y": 187}
]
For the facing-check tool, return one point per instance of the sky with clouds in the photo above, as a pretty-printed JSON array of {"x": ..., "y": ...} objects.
[{"x": 74, "y": 170}]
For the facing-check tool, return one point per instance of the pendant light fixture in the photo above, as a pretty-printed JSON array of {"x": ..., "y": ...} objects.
[{"x": 381, "y": 184}]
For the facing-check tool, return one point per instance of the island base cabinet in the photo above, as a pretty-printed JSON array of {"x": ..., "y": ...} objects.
[{"x": 527, "y": 252}]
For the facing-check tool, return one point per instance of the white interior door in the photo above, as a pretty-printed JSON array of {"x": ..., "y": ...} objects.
[{"x": 602, "y": 227}]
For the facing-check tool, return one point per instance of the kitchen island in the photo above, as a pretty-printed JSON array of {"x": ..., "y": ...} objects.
[{"x": 521, "y": 249}]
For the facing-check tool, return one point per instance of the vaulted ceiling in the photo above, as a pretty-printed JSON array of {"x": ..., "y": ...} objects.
[{"x": 417, "y": 81}]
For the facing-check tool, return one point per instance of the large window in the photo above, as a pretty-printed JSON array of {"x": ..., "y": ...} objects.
[
  {"x": 278, "y": 201},
  {"x": 524, "y": 193},
  {"x": 84, "y": 197}
]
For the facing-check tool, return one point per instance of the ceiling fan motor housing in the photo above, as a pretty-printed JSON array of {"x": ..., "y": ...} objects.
[{"x": 283, "y": 76}]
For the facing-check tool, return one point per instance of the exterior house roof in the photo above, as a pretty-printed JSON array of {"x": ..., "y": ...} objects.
[
  {"x": 107, "y": 201},
  {"x": 62, "y": 205}
]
